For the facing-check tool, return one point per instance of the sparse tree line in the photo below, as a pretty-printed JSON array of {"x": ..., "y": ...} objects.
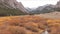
[{"x": 10, "y": 12}]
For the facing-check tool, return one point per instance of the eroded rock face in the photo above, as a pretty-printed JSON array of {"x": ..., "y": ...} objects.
[
  {"x": 12, "y": 4},
  {"x": 58, "y": 4}
]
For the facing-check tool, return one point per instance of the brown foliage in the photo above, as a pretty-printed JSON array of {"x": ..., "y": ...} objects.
[
  {"x": 53, "y": 26},
  {"x": 21, "y": 25},
  {"x": 28, "y": 25}
]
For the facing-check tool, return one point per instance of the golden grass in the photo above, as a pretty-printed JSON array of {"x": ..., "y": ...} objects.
[{"x": 28, "y": 25}]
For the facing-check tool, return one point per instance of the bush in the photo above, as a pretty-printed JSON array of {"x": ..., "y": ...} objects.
[{"x": 17, "y": 30}]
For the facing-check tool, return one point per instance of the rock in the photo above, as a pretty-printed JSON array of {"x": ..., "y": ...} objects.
[{"x": 12, "y": 4}]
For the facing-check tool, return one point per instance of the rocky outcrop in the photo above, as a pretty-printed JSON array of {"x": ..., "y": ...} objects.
[
  {"x": 12, "y": 4},
  {"x": 47, "y": 6},
  {"x": 58, "y": 4}
]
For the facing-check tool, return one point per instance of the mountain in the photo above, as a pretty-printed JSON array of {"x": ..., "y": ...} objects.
[
  {"x": 12, "y": 5},
  {"x": 31, "y": 10},
  {"x": 57, "y": 6},
  {"x": 43, "y": 9},
  {"x": 46, "y": 8}
]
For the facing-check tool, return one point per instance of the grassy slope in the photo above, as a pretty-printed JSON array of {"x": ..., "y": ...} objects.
[{"x": 53, "y": 15}]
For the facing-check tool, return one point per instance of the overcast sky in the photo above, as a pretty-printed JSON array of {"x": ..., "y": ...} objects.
[{"x": 36, "y": 3}]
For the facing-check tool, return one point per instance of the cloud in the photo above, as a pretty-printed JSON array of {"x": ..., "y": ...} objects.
[
  {"x": 37, "y": 0},
  {"x": 36, "y": 3}
]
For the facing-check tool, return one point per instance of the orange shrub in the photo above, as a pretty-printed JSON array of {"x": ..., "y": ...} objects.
[{"x": 28, "y": 25}]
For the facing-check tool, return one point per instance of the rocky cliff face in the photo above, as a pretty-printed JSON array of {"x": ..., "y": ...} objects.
[
  {"x": 58, "y": 4},
  {"x": 12, "y": 4}
]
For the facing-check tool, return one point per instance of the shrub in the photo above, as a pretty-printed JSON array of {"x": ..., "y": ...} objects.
[{"x": 17, "y": 30}]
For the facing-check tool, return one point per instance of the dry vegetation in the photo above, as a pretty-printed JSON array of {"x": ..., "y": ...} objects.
[
  {"x": 28, "y": 25},
  {"x": 53, "y": 15}
]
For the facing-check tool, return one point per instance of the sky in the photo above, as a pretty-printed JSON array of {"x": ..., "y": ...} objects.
[{"x": 36, "y": 3}]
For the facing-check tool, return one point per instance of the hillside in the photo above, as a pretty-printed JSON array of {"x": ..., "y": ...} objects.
[
  {"x": 53, "y": 15},
  {"x": 11, "y": 7},
  {"x": 28, "y": 24},
  {"x": 10, "y": 12}
]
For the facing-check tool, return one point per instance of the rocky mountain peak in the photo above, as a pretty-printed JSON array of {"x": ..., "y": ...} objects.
[
  {"x": 12, "y": 4},
  {"x": 58, "y": 4}
]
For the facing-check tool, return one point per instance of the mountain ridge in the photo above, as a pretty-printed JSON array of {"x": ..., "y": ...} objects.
[
  {"x": 12, "y": 4},
  {"x": 11, "y": 7},
  {"x": 46, "y": 8}
]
